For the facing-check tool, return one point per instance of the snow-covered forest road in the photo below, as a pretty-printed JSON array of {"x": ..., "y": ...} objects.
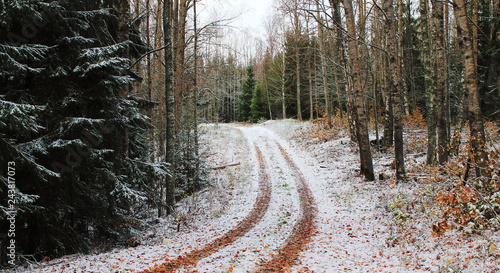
[
  {"x": 279, "y": 225},
  {"x": 275, "y": 204}
]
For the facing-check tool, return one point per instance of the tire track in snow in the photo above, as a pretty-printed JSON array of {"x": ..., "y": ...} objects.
[
  {"x": 260, "y": 207},
  {"x": 287, "y": 255}
]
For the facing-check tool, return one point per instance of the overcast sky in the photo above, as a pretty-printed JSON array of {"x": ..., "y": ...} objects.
[{"x": 250, "y": 15}]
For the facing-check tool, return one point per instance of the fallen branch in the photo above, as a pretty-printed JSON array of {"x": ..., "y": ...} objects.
[{"x": 225, "y": 166}]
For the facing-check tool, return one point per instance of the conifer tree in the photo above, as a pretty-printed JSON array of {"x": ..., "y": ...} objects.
[
  {"x": 245, "y": 99},
  {"x": 258, "y": 106},
  {"x": 64, "y": 99}
]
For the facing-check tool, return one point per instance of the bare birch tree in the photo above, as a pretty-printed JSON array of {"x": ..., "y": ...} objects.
[
  {"x": 361, "y": 116},
  {"x": 396, "y": 86},
  {"x": 478, "y": 157}
]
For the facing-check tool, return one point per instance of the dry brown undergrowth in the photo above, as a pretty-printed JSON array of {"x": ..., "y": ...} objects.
[{"x": 437, "y": 211}]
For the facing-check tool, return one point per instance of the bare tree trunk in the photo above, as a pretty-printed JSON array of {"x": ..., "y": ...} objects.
[
  {"x": 478, "y": 155},
  {"x": 283, "y": 90},
  {"x": 401, "y": 34},
  {"x": 311, "y": 99},
  {"x": 338, "y": 93},
  {"x": 429, "y": 60},
  {"x": 339, "y": 54},
  {"x": 375, "y": 111},
  {"x": 388, "y": 135},
  {"x": 324, "y": 76},
  {"x": 299, "y": 91},
  {"x": 195, "y": 89},
  {"x": 148, "y": 58},
  {"x": 378, "y": 32},
  {"x": 180, "y": 88},
  {"x": 411, "y": 64},
  {"x": 359, "y": 100},
  {"x": 149, "y": 83},
  {"x": 448, "y": 73},
  {"x": 441, "y": 72},
  {"x": 268, "y": 96},
  {"x": 297, "y": 33},
  {"x": 158, "y": 86},
  {"x": 395, "y": 85},
  {"x": 169, "y": 101}
]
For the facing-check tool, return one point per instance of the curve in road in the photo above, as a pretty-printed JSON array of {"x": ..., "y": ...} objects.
[{"x": 259, "y": 209}]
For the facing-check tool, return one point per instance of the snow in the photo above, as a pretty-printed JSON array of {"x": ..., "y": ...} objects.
[
  {"x": 103, "y": 53},
  {"x": 13, "y": 65},
  {"x": 61, "y": 143},
  {"x": 21, "y": 116},
  {"x": 356, "y": 228},
  {"x": 113, "y": 64},
  {"x": 347, "y": 238},
  {"x": 26, "y": 53},
  {"x": 276, "y": 225}
]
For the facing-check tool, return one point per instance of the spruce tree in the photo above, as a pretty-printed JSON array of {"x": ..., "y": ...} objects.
[
  {"x": 245, "y": 99},
  {"x": 62, "y": 80},
  {"x": 258, "y": 106}
]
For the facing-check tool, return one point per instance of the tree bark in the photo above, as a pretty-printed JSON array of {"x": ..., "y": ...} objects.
[
  {"x": 283, "y": 83},
  {"x": 381, "y": 77},
  {"x": 324, "y": 76},
  {"x": 441, "y": 73},
  {"x": 396, "y": 87},
  {"x": 310, "y": 78},
  {"x": 169, "y": 112},
  {"x": 428, "y": 61},
  {"x": 388, "y": 137},
  {"x": 298, "y": 80},
  {"x": 180, "y": 83},
  {"x": 478, "y": 155},
  {"x": 297, "y": 33},
  {"x": 195, "y": 95},
  {"x": 359, "y": 100},
  {"x": 148, "y": 58},
  {"x": 338, "y": 53},
  {"x": 158, "y": 88},
  {"x": 401, "y": 35}
]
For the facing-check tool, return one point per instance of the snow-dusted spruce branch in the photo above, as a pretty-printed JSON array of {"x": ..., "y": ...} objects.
[{"x": 31, "y": 28}]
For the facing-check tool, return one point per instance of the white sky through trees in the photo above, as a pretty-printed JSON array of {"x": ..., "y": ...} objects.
[
  {"x": 247, "y": 25},
  {"x": 250, "y": 14}
]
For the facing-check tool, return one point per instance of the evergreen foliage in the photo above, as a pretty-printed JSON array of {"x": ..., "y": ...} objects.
[
  {"x": 245, "y": 99},
  {"x": 190, "y": 170},
  {"x": 62, "y": 76},
  {"x": 258, "y": 106}
]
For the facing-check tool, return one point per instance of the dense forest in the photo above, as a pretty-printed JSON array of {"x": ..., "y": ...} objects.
[{"x": 100, "y": 101}]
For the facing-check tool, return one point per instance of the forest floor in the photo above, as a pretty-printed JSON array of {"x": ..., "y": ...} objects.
[{"x": 285, "y": 198}]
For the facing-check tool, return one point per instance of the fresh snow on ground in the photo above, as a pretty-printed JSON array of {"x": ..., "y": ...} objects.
[
  {"x": 355, "y": 228},
  {"x": 277, "y": 223}
]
